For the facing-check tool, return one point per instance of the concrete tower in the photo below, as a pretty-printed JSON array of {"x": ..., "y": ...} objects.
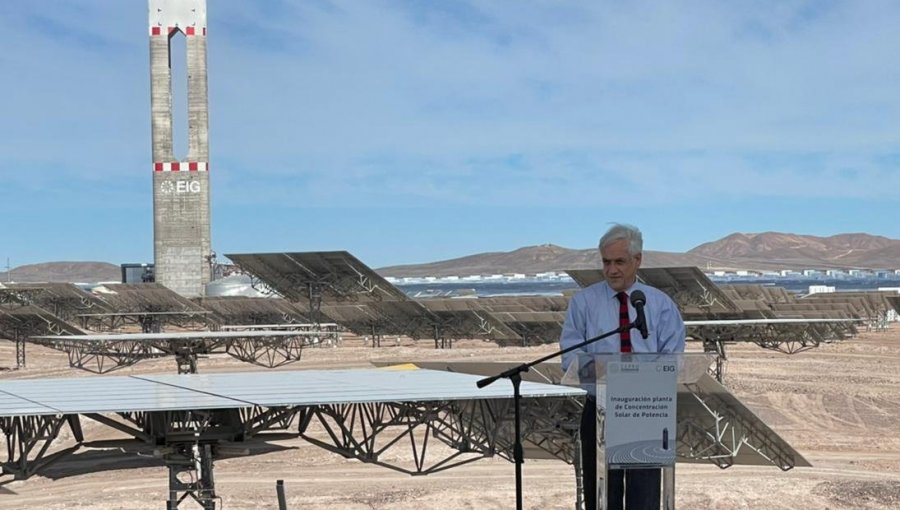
[{"x": 181, "y": 233}]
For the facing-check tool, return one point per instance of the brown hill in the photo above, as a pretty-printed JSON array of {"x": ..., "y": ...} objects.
[
  {"x": 766, "y": 251},
  {"x": 533, "y": 259},
  {"x": 763, "y": 251},
  {"x": 72, "y": 272},
  {"x": 791, "y": 250}
]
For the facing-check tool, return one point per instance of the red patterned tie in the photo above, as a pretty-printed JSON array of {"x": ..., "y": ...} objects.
[{"x": 625, "y": 336}]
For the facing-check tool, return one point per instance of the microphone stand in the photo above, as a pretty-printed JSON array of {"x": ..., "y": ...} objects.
[{"x": 514, "y": 374}]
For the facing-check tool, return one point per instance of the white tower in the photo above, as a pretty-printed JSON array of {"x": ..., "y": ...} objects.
[{"x": 181, "y": 222}]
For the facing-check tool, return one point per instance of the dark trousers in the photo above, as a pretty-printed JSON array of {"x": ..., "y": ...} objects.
[{"x": 632, "y": 489}]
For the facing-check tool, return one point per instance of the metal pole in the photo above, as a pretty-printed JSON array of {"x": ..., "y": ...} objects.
[
  {"x": 518, "y": 451},
  {"x": 579, "y": 474},
  {"x": 668, "y": 475},
  {"x": 279, "y": 489}
]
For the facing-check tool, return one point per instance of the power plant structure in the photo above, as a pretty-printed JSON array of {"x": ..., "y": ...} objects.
[{"x": 182, "y": 250}]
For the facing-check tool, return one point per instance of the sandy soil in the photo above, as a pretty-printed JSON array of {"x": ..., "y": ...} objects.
[{"x": 839, "y": 405}]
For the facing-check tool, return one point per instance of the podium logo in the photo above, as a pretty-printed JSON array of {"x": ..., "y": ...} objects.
[
  {"x": 631, "y": 367},
  {"x": 665, "y": 368}
]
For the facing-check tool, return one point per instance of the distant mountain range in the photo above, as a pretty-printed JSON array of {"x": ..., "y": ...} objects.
[
  {"x": 74, "y": 272},
  {"x": 765, "y": 251}
]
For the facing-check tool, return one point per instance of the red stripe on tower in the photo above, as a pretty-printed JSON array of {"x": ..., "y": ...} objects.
[
  {"x": 181, "y": 166},
  {"x": 155, "y": 31},
  {"x": 189, "y": 31}
]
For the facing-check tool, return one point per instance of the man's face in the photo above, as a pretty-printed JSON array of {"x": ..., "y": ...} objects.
[{"x": 619, "y": 267}]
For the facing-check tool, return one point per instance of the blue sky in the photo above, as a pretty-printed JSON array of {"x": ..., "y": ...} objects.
[{"x": 417, "y": 131}]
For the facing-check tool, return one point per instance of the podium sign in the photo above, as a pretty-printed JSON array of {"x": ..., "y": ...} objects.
[
  {"x": 636, "y": 395},
  {"x": 640, "y": 413}
]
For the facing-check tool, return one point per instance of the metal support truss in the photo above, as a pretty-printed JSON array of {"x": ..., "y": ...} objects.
[
  {"x": 366, "y": 431},
  {"x": 19, "y": 329},
  {"x": 20, "y": 352},
  {"x": 28, "y": 438},
  {"x": 720, "y": 435},
  {"x": 314, "y": 295},
  {"x": 786, "y": 338},
  {"x": 485, "y": 327},
  {"x": 726, "y": 434},
  {"x": 259, "y": 419},
  {"x": 189, "y": 441},
  {"x": 187, "y": 444},
  {"x": 10, "y": 296},
  {"x": 376, "y": 336},
  {"x": 259, "y": 285},
  {"x": 267, "y": 352},
  {"x": 148, "y": 321},
  {"x": 107, "y": 355},
  {"x": 191, "y": 476},
  {"x": 701, "y": 298},
  {"x": 100, "y": 357},
  {"x": 717, "y": 369},
  {"x": 472, "y": 429},
  {"x": 363, "y": 281},
  {"x": 441, "y": 341},
  {"x": 789, "y": 340}
]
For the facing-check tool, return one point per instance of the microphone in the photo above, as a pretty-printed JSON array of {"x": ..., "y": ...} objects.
[{"x": 638, "y": 300}]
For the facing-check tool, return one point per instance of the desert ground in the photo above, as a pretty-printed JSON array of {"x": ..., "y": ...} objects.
[{"x": 838, "y": 405}]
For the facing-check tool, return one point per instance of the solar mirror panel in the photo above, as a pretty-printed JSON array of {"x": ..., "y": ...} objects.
[
  {"x": 778, "y": 295},
  {"x": 337, "y": 275},
  {"x": 28, "y": 320},
  {"x": 534, "y": 327},
  {"x": 311, "y": 387},
  {"x": 474, "y": 324},
  {"x": 543, "y": 303},
  {"x": 877, "y": 300},
  {"x": 753, "y": 309},
  {"x": 745, "y": 291},
  {"x": 525, "y": 303},
  {"x": 409, "y": 318},
  {"x": 466, "y": 316},
  {"x": 61, "y": 299},
  {"x": 586, "y": 277},
  {"x": 105, "y": 394},
  {"x": 360, "y": 319},
  {"x": 508, "y": 306},
  {"x": 253, "y": 310},
  {"x": 145, "y": 297},
  {"x": 548, "y": 317},
  {"x": 687, "y": 286},
  {"x": 812, "y": 310},
  {"x": 895, "y": 303},
  {"x": 176, "y": 337},
  {"x": 859, "y": 303}
]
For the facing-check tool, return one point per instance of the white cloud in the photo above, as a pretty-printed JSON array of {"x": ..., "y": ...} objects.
[{"x": 510, "y": 103}]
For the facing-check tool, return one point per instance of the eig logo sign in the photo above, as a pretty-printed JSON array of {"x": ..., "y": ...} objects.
[{"x": 170, "y": 187}]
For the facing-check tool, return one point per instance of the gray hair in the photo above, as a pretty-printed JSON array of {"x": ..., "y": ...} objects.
[{"x": 620, "y": 231}]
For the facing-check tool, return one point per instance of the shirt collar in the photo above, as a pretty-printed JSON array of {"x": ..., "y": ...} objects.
[{"x": 611, "y": 293}]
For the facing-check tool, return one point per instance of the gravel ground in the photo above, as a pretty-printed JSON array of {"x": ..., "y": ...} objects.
[{"x": 838, "y": 405}]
